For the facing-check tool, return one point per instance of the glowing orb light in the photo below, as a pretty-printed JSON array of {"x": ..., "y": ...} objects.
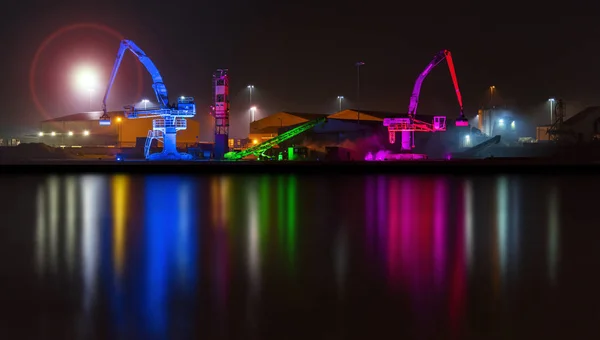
[{"x": 86, "y": 78}]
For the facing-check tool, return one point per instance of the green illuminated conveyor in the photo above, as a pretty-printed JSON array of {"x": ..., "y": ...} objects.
[{"x": 260, "y": 149}]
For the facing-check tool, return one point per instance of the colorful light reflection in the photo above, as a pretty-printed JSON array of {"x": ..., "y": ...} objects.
[
  {"x": 120, "y": 189},
  {"x": 171, "y": 244}
]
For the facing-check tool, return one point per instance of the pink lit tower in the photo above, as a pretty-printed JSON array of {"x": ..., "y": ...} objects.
[{"x": 221, "y": 112}]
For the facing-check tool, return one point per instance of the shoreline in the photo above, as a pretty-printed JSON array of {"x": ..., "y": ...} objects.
[{"x": 454, "y": 167}]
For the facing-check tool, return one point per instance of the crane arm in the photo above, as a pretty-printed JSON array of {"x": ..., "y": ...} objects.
[
  {"x": 438, "y": 58},
  {"x": 455, "y": 81},
  {"x": 414, "y": 98},
  {"x": 158, "y": 85}
]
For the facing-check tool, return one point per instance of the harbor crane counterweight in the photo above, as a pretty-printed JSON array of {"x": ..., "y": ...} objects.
[{"x": 169, "y": 118}]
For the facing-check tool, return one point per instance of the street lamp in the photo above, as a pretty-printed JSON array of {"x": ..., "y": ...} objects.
[
  {"x": 358, "y": 65},
  {"x": 250, "y": 88},
  {"x": 145, "y": 101},
  {"x": 252, "y": 112},
  {"x": 119, "y": 119},
  {"x": 86, "y": 133},
  {"x": 551, "y": 100},
  {"x": 340, "y": 102},
  {"x": 70, "y": 133},
  {"x": 41, "y": 134}
]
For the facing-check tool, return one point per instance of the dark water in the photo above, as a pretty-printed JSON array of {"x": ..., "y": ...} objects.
[{"x": 283, "y": 257}]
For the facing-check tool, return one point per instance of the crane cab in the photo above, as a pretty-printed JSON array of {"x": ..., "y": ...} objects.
[
  {"x": 186, "y": 104},
  {"x": 104, "y": 120},
  {"x": 462, "y": 121}
]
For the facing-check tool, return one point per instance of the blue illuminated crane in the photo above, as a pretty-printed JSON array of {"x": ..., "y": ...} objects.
[{"x": 171, "y": 117}]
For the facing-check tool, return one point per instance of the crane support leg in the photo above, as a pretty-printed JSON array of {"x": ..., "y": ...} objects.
[
  {"x": 406, "y": 141},
  {"x": 392, "y": 136},
  {"x": 170, "y": 142}
]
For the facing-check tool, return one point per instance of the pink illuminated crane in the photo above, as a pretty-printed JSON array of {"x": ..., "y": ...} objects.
[
  {"x": 409, "y": 125},
  {"x": 438, "y": 58}
]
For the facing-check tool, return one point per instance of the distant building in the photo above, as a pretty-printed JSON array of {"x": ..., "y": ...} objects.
[{"x": 83, "y": 129}]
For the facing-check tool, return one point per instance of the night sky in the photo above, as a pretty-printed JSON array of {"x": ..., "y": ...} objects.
[{"x": 299, "y": 57}]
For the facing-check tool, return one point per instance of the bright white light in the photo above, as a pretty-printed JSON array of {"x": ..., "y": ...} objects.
[
  {"x": 145, "y": 100},
  {"x": 53, "y": 133},
  {"x": 340, "y": 97},
  {"x": 86, "y": 78},
  {"x": 250, "y": 86},
  {"x": 253, "y": 108},
  {"x": 467, "y": 137},
  {"x": 512, "y": 124},
  {"x": 181, "y": 97},
  {"x": 551, "y": 100},
  {"x": 70, "y": 133},
  {"x": 86, "y": 133},
  {"x": 501, "y": 121},
  {"x": 41, "y": 134}
]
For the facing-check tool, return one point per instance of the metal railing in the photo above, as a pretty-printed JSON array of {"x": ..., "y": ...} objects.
[{"x": 178, "y": 124}]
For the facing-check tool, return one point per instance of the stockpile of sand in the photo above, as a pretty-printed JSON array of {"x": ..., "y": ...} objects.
[{"x": 33, "y": 151}]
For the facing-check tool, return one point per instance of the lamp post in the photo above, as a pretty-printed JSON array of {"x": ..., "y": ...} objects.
[
  {"x": 119, "y": 119},
  {"x": 145, "y": 101},
  {"x": 358, "y": 65},
  {"x": 340, "y": 102},
  {"x": 551, "y": 100},
  {"x": 250, "y": 88},
  {"x": 252, "y": 113}
]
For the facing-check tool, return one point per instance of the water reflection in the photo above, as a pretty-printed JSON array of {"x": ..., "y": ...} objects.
[
  {"x": 120, "y": 190},
  {"x": 553, "y": 233},
  {"x": 170, "y": 236},
  {"x": 71, "y": 210},
  {"x": 93, "y": 190},
  {"x": 164, "y": 249}
]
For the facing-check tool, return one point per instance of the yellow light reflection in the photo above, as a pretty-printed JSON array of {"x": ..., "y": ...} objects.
[
  {"x": 71, "y": 212},
  {"x": 53, "y": 200},
  {"x": 40, "y": 230},
  {"x": 553, "y": 233},
  {"x": 120, "y": 188},
  {"x": 225, "y": 183}
]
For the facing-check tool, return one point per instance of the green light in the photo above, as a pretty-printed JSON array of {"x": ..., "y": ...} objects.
[
  {"x": 290, "y": 153},
  {"x": 280, "y": 208},
  {"x": 264, "y": 209}
]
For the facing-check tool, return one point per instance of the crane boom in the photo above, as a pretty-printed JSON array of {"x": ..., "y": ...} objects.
[
  {"x": 438, "y": 58},
  {"x": 158, "y": 85}
]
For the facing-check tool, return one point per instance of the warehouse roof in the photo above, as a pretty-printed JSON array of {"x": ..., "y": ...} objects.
[
  {"x": 580, "y": 116},
  {"x": 268, "y": 129},
  {"x": 83, "y": 116},
  {"x": 307, "y": 116}
]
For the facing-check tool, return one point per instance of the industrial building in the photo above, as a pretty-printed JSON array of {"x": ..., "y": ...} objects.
[
  {"x": 359, "y": 131},
  {"x": 583, "y": 127},
  {"x": 83, "y": 129}
]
